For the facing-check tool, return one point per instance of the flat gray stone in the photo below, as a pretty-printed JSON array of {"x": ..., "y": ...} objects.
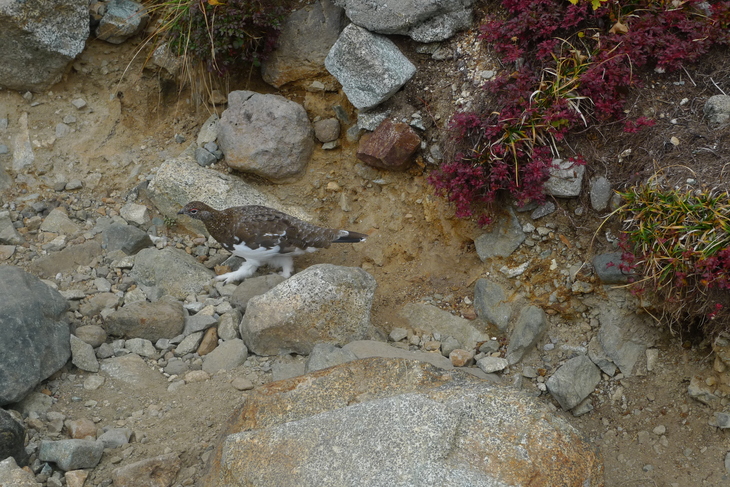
[
  {"x": 503, "y": 238},
  {"x": 574, "y": 381},
  {"x": 226, "y": 356},
  {"x": 434, "y": 320},
  {"x": 82, "y": 355},
  {"x": 566, "y": 179},
  {"x": 326, "y": 355},
  {"x": 491, "y": 303},
  {"x": 71, "y": 454}
]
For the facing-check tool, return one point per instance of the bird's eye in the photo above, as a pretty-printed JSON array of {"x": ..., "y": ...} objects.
[{"x": 193, "y": 211}]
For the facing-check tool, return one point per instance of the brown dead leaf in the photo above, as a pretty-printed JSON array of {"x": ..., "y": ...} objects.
[
  {"x": 619, "y": 28},
  {"x": 565, "y": 240}
]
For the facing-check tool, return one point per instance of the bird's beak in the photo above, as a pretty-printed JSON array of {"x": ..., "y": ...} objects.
[{"x": 181, "y": 212}]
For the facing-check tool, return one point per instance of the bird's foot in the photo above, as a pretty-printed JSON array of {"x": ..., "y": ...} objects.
[{"x": 246, "y": 270}]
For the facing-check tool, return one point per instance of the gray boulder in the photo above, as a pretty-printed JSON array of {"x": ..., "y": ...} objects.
[
  {"x": 612, "y": 269},
  {"x": 305, "y": 39},
  {"x": 39, "y": 41},
  {"x": 266, "y": 135},
  {"x": 169, "y": 271},
  {"x": 574, "y": 381},
  {"x": 82, "y": 355},
  {"x": 35, "y": 338},
  {"x": 391, "y": 422},
  {"x": 322, "y": 304},
  {"x": 421, "y": 20},
  {"x": 369, "y": 66},
  {"x": 600, "y": 193}
]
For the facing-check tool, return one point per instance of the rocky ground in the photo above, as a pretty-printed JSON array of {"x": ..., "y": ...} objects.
[{"x": 649, "y": 430}]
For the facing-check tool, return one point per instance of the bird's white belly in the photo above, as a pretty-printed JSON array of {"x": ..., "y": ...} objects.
[{"x": 263, "y": 255}]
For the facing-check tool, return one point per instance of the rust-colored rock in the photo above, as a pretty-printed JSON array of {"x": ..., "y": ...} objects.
[
  {"x": 390, "y": 147},
  {"x": 80, "y": 429},
  {"x": 209, "y": 341}
]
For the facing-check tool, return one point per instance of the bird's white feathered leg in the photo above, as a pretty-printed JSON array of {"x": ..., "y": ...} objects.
[
  {"x": 246, "y": 270},
  {"x": 286, "y": 262}
]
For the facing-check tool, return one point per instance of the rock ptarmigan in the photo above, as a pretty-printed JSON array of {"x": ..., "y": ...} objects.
[{"x": 263, "y": 235}]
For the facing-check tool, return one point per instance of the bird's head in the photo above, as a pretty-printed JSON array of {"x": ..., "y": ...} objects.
[{"x": 197, "y": 210}]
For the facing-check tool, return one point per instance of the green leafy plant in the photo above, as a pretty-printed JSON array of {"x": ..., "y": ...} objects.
[{"x": 681, "y": 241}]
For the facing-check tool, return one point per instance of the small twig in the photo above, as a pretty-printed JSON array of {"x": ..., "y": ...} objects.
[
  {"x": 690, "y": 77},
  {"x": 716, "y": 86}
]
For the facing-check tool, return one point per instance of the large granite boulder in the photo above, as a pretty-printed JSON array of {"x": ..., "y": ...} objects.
[
  {"x": 39, "y": 40},
  {"x": 393, "y": 422}
]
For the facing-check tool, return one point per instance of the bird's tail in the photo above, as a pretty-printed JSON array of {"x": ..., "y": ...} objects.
[{"x": 350, "y": 237}]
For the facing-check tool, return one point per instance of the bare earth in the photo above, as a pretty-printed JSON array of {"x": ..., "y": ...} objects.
[{"x": 649, "y": 430}]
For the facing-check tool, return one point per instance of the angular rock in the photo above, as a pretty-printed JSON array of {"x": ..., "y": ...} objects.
[
  {"x": 169, "y": 271},
  {"x": 80, "y": 429},
  {"x": 115, "y": 437},
  {"x": 422, "y": 20},
  {"x": 23, "y": 156},
  {"x": 226, "y": 356},
  {"x": 228, "y": 325},
  {"x": 254, "y": 286},
  {"x": 461, "y": 358},
  {"x": 369, "y": 66},
  {"x": 502, "y": 239},
  {"x": 58, "y": 221},
  {"x": 12, "y": 439},
  {"x": 100, "y": 302},
  {"x": 151, "y": 472},
  {"x": 82, "y": 355},
  {"x": 390, "y": 147},
  {"x": 71, "y": 454},
  {"x": 599, "y": 357},
  {"x": 40, "y": 42},
  {"x": 35, "y": 402},
  {"x": 12, "y": 475},
  {"x": 566, "y": 179},
  {"x": 122, "y": 20},
  {"x": 434, "y": 320},
  {"x": 266, "y": 135},
  {"x": 8, "y": 234},
  {"x": 35, "y": 338},
  {"x": 573, "y": 381},
  {"x": 198, "y": 322},
  {"x": 531, "y": 324},
  {"x": 624, "y": 337},
  {"x": 306, "y": 37},
  {"x": 141, "y": 347},
  {"x": 371, "y": 348},
  {"x": 137, "y": 214},
  {"x": 141, "y": 319},
  {"x": 127, "y": 238},
  {"x": 209, "y": 342},
  {"x": 491, "y": 303},
  {"x": 398, "y": 423},
  {"x": 189, "y": 344},
  {"x": 322, "y": 304},
  {"x": 492, "y": 364},
  {"x": 326, "y": 355}
]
